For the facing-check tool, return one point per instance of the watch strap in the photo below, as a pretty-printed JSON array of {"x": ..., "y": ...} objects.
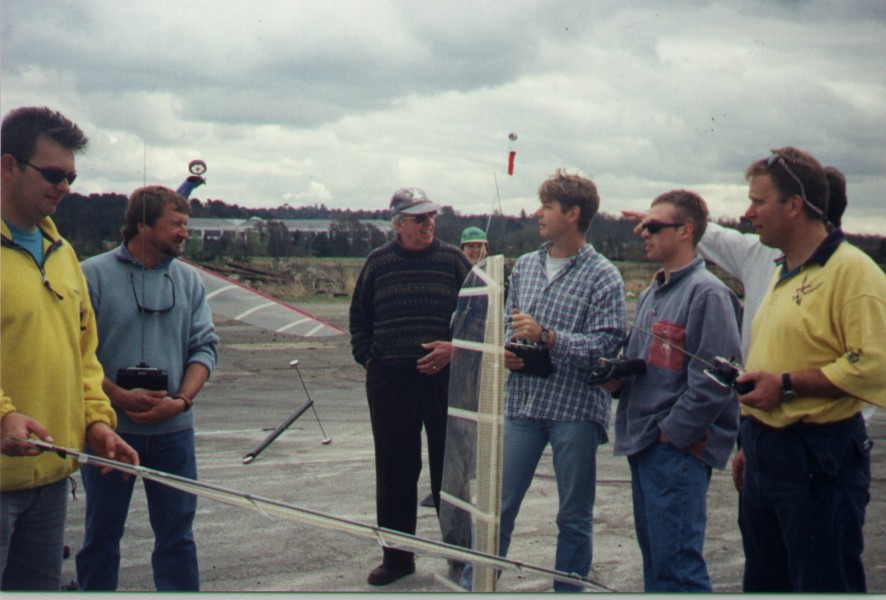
[{"x": 787, "y": 388}]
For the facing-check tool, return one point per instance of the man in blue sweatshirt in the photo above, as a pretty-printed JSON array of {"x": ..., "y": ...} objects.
[
  {"x": 158, "y": 346},
  {"x": 674, "y": 423}
]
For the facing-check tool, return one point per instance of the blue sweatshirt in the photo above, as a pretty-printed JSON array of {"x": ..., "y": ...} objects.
[
  {"x": 177, "y": 332},
  {"x": 694, "y": 311}
]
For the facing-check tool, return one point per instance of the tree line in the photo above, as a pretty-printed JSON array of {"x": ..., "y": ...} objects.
[{"x": 92, "y": 224}]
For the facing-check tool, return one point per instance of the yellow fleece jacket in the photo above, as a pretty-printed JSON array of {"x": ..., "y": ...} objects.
[{"x": 48, "y": 367}]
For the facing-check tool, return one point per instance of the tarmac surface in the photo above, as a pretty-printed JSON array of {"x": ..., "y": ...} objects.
[{"x": 241, "y": 550}]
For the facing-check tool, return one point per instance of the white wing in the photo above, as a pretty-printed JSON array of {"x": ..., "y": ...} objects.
[{"x": 234, "y": 300}]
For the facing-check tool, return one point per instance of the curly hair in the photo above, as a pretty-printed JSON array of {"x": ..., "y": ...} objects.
[
  {"x": 572, "y": 190},
  {"x": 147, "y": 204}
]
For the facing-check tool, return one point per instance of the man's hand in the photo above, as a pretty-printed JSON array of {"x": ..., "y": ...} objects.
[
  {"x": 513, "y": 362},
  {"x": 106, "y": 443},
  {"x": 613, "y": 385},
  {"x": 161, "y": 409},
  {"x": 15, "y": 428},
  {"x": 525, "y": 327},
  {"x": 137, "y": 400},
  {"x": 738, "y": 463},
  {"x": 632, "y": 216},
  {"x": 766, "y": 394},
  {"x": 435, "y": 361}
]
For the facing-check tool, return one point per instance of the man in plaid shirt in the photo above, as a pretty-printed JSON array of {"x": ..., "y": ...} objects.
[{"x": 567, "y": 298}]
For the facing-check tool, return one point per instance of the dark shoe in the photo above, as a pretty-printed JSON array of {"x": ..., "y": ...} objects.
[
  {"x": 428, "y": 501},
  {"x": 384, "y": 574}
]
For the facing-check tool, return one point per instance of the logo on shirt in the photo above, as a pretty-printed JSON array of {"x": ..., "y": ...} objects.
[{"x": 805, "y": 288}]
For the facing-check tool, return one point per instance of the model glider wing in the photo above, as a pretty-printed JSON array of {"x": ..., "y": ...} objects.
[{"x": 234, "y": 300}]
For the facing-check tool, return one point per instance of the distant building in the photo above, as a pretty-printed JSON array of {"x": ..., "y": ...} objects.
[{"x": 213, "y": 229}]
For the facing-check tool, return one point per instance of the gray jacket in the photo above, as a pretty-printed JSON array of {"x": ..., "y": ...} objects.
[{"x": 696, "y": 312}]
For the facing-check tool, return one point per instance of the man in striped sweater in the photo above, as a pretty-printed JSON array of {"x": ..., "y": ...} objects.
[{"x": 400, "y": 319}]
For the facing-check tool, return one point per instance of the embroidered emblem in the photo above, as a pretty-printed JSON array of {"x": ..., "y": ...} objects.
[{"x": 805, "y": 288}]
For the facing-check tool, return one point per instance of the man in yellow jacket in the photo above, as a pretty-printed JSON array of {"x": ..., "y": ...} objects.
[{"x": 50, "y": 379}]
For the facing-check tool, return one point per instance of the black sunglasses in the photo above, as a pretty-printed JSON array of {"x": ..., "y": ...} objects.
[
  {"x": 654, "y": 227},
  {"x": 779, "y": 159},
  {"x": 145, "y": 309},
  {"x": 419, "y": 219},
  {"x": 51, "y": 174}
]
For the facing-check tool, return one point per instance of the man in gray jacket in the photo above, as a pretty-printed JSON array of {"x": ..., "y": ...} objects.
[
  {"x": 675, "y": 423},
  {"x": 158, "y": 347}
]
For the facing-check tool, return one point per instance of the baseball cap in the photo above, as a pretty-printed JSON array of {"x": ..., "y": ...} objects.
[
  {"x": 473, "y": 234},
  {"x": 412, "y": 201}
]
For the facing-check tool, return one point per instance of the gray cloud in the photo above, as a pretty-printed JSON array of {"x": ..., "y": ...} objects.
[{"x": 341, "y": 102}]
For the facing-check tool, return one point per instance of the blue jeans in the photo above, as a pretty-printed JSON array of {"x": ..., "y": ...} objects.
[
  {"x": 171, "y": 512},
  {"x": 574, "y": 445},
  {"x": 32, "y": 529},
  {"x": 669, "y": 486},
  {"x": 802, "y": 506}
]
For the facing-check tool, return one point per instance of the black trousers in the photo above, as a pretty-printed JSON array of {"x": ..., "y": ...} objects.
[
  {"x": 802, "y": 506},
  {"x": 401, "y": 403}
]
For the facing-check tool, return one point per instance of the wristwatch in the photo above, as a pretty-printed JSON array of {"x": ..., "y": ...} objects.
[
  {"x": 787, "y": 389},
  {"x": 544, "y": 336}
]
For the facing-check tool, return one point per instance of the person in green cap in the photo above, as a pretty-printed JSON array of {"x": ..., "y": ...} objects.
[{"x": 474, "y": 244}]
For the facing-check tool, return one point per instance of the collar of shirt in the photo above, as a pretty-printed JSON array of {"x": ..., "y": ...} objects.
[
  {"x": 821, "y": 255},
  {"x": 123, "y": 255},
  {"x": 673, "y": 277},
  {"x": 583, "y": 253}
]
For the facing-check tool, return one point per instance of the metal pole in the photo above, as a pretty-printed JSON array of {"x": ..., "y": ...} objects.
[{"x": 326, "y": 439}]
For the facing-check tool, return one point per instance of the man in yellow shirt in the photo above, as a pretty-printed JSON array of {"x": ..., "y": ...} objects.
[
  {"x": 818, "y": 345},
  {"x": 50, "y": 377}
]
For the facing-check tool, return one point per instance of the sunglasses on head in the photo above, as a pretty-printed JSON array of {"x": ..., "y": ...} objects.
[
  {"x": 654, "y": 227},
  {"x": 419, "y": 219},
  {"x": 51, "y": 174},
  {"x": 779, "y": 159}
]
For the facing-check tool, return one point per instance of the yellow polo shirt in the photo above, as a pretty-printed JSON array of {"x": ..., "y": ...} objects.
[{"x": 829, "y": 314}]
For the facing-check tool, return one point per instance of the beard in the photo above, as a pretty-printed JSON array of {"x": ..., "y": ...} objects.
[{"x": 171, "y": 249}]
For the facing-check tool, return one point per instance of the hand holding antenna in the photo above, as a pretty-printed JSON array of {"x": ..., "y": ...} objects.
[
  {"x": 106, "y": 443},
  {"x": 766, "y": 392},
  {"x": 614, "y": 370},
  {"x": 15, "y": 429},
  {"x": 525, "y": 327}
]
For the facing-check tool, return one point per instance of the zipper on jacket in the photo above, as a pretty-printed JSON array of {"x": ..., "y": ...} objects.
[{"x": 52, "y": 246}]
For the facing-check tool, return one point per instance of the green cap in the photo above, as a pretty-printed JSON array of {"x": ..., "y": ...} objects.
[{"x": 473, "y": 234}]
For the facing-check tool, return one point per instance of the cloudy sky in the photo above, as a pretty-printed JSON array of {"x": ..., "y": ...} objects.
[{"x": 341, "y": 102}]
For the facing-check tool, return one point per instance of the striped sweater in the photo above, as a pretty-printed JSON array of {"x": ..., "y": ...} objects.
[{"x": 404, "y": 299}]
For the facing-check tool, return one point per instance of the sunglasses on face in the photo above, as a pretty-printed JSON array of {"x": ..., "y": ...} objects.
[
  {"x": 419, "y": 219},
  {"x": 780, "y": 160},
  {"x": 654, "y": 227},
  {"x": 51, "y": 174}
]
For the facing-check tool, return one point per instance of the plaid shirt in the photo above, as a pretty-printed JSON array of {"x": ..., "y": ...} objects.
[{"x": 585, "y": 307}]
